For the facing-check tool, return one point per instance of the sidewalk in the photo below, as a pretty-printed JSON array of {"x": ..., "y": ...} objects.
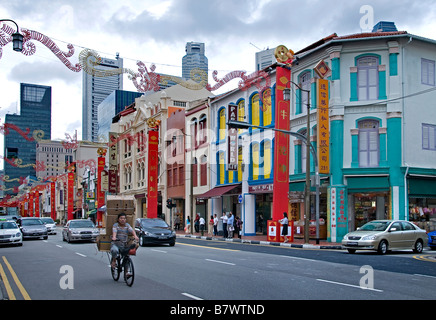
[{"x": 262, "y": 239}]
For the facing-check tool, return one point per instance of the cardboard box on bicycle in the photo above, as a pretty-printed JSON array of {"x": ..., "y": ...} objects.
[
  {"x": 116, "y": 204},
  {"x": 104, "y": 242}
]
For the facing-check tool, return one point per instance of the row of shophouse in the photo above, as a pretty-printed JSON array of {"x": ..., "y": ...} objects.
[{"x": 382, "y": 140}]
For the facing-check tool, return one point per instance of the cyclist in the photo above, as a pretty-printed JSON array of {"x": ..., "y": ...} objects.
[{"x": 120, "y": 234}]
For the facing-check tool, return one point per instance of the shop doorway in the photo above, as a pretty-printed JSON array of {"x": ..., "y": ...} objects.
[
  {"x": 368, "y": 207},
  {"x": 263, "y": 212}
]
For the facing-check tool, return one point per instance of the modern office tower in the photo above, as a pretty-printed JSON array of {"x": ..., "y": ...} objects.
[
  {"x": 53, "y": 158},
  {"x": 264, "y": 59},
  {"x": 21, "y": 133},
  {"x": 94, "y": 91},
  {"x": 110, "y": 107},
  {"x": 194, "y": 58}
]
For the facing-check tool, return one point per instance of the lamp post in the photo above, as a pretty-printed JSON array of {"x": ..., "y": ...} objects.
[{"x": 17, "y": 37}]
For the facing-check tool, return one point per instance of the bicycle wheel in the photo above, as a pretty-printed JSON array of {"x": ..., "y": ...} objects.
[
  {"x": 116, "y": 271},
  {"x": 129, "y": 271}
]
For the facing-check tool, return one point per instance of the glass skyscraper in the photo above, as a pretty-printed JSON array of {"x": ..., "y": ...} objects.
[
  {"x": 194, "y": 58},
  {"x": 22, "y": 132},
  {"x": 94, "y": 91}
]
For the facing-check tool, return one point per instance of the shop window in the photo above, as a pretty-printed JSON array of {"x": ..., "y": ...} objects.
[
  {"x": 202, "y": 132},
  {"x": 194, "y": 173},
  {"x": 241, "y": 112},
  {"x": 222, "y": 124},
  {"x": 369, "y": 143},
  {"x": 255, "y": 110},
  {"x": 266, "y": 107},
  {"x": 221, "y": 171},
  {"x": 255, "y": 161},
  {"x": 303, "y": 153},
  {"x": 428, "y": 72},
  {"x": 240, "y": 164},
  {"x": 367, "y": 78},
  {"x": 305, "y": 86},
  {"x": 267, "y": 159},
  {"x": 428, "y": 136},
  {"x": 203, "y": 170}
]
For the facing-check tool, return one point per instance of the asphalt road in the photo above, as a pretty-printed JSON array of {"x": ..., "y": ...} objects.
[{"x": 216, "y": 271}]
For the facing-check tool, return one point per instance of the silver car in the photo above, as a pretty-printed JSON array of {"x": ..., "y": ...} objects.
[
  {"x": 80, "y": 229},
  {"x": 50, "y": 224},
  {"x": 385, "y": 235},
  {"x": 33, "y": 228}
]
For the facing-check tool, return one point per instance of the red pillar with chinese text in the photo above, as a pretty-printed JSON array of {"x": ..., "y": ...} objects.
[
  {"x": 53, "y": 200},
  {"x": 70, "y": 195},
  {"x": 153, "y": 143},
  {"x": 281, "y": 146},
  {"x": 101, "y": 160}
]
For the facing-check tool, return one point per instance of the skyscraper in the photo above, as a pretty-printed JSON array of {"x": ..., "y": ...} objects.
[
  {"x": 23, "y": 131},
  {"x": 94, "y": 91},
  {"x": 194, "y": 58}
]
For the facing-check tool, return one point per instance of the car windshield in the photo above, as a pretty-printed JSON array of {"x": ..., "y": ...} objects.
[
  {"x": 375, "y": 226},
  {"x": 47, "y": 220},
  {"x": 81, "y": 224},
  {"x": 154, "y": 223},
  {"x": 31, "y": 222},
  {"x": 8, "y": 225}
]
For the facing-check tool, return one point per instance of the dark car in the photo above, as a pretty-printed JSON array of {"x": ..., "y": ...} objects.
[
  {"x": 154, "y": 231},
  {"x": 33, "y": 228},
  {"x": 432, "y": 240}
]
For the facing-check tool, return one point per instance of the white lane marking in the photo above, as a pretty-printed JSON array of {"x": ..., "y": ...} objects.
[
  {"x": 424, "y": 275},
  {"x": 349, "y": 285},
  {"x": 158, "y": 250},
  {"x": 217, "y": 261},
  {"x": 82, "y": 255},
  {"x": 297, "y": 258},
  {"x": 59, "y": 246},
  {"x": 191, "y": 296}
]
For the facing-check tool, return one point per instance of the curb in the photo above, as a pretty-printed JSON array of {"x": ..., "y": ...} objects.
[{"x": 277, "y": 244}]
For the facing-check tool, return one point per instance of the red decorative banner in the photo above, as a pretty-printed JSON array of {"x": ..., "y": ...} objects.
[
  {"x": 70, "y": 195},
  {"x": 281, "y": 145},
  {"x": 36, "y": 197},
  {"x": 153, "y": 142},
  {"x": 53, "y": 200},
  {"x": 30, "y": 205}
]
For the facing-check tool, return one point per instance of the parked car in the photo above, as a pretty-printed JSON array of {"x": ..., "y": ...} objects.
[
  {"x": 33, "y": 228},
  {"x": 50, "y": 224},
  {"x": 80, "y": 229},
  {"x": 432, "y": 240},
  {"x": 154, "y": 231},
  {"x": 385, "y": 235},
  {"x": 10, "y": 233}
]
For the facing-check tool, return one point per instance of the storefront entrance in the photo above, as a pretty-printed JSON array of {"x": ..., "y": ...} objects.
[
  {"x": 263, "y": 212},
  {"x": 367, "y": 207}
]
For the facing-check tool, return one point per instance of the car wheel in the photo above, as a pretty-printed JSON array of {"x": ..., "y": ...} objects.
[
  {"x": 141, "y": 241},
  {"x": 383, "y": 247},
  {"x": 351, "y": 251},
  {"x": 172, "y": 244},
  {"x": 45, "y": 237},
  {"x": 418, "y": 246}
]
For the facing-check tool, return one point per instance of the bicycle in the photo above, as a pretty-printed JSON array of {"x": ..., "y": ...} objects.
[{"x": 124, "y": 263}]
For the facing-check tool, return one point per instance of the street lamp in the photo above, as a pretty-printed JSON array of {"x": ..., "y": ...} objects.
[{"x": 17, "y": 37}]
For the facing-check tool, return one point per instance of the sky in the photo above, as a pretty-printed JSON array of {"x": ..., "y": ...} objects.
[{"x": 156, "y": 32}]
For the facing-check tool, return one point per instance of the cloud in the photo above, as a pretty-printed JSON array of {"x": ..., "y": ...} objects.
[{"x": 42, "y": 73}]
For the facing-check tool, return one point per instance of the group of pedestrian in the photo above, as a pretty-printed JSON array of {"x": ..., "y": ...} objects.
[{"x": 231, "y": 225}]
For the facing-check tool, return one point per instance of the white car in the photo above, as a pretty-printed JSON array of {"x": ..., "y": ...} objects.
[
  {"x": 10, "y": 233},
  {"x": 50, "y": 224}
]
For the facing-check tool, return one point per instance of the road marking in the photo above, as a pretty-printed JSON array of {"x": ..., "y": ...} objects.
[
  {"x": 426, "y": 257},
  {"x": 297, "y": 258},
  {"x": 349, "y": 285},
  {"x": 191, "y": 296},
  {"x": 82, "y": 255},
  {"x": 59, "y": 246},
  {"x": 223, "y": 262},
  {"x": 424, "y": 275},
  {"x": 194, "y": 245},
  {"x": 7, "y": 285},
  {"x": 158, "y": 250},
  {"x": 17, "y": 281}
]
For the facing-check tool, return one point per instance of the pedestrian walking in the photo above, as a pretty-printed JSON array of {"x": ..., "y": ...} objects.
[
  {"x": 197, "y": 223},
  {"x": 230, "y": 226},
  {"x": 215, "y": 225},
  {"x": 188, "y": 225},
  {"x": 284, "y": 223},
  {"x": 210, "y": 226},
  {"x": 224, "y": 219},
  {"x": 202, "y": 224},
  {"x": 238, "y": 226}
]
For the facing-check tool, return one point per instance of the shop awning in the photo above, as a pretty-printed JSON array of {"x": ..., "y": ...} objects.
[
  {"x": 217, "y": 192},
  {"x": 368, "y": 183},
  {"x": 422, "y": 187}
]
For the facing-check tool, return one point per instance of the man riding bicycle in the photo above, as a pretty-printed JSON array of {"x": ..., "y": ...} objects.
[{"x": 120, "y": 236}]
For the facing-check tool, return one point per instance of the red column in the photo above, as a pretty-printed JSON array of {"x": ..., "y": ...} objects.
[
  {"x": 70, "y": 195},
  {"x": 100, "y": 194},
  {"x": 281, "y": 146},
  {"x": 153, "y": 142},
  {"x": 53, "y": 200}
]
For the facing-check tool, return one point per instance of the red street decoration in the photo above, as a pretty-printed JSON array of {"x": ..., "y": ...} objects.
[
  {"x": 153, "y": 143},
  {"x": 100, "y": 194},
  {"x": 281, "y": 146},
  {"x": 70, "y": 193},
  {"x": 53, "y": 200}
]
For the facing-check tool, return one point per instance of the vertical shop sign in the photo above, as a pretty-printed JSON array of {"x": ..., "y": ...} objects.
[
  {"x": 153, "y": 143},
  {"x": 323, "y": 140},
  {"x": 113, "y": 163},
  {"x": 232, "y": 143},
  {"x": 53, "y": 200},
  {"x": 70, "y": 195},
  {"x": 281, "y": 146}
]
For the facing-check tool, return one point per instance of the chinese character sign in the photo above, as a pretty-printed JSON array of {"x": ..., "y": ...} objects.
[
  {"x": 232, "y": 147},
  {"x": 323, "y": 125},
  {"x": 152, "y": 188}
]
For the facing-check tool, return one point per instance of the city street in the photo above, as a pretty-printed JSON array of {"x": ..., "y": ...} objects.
[{"x": 214, "y": 270}]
